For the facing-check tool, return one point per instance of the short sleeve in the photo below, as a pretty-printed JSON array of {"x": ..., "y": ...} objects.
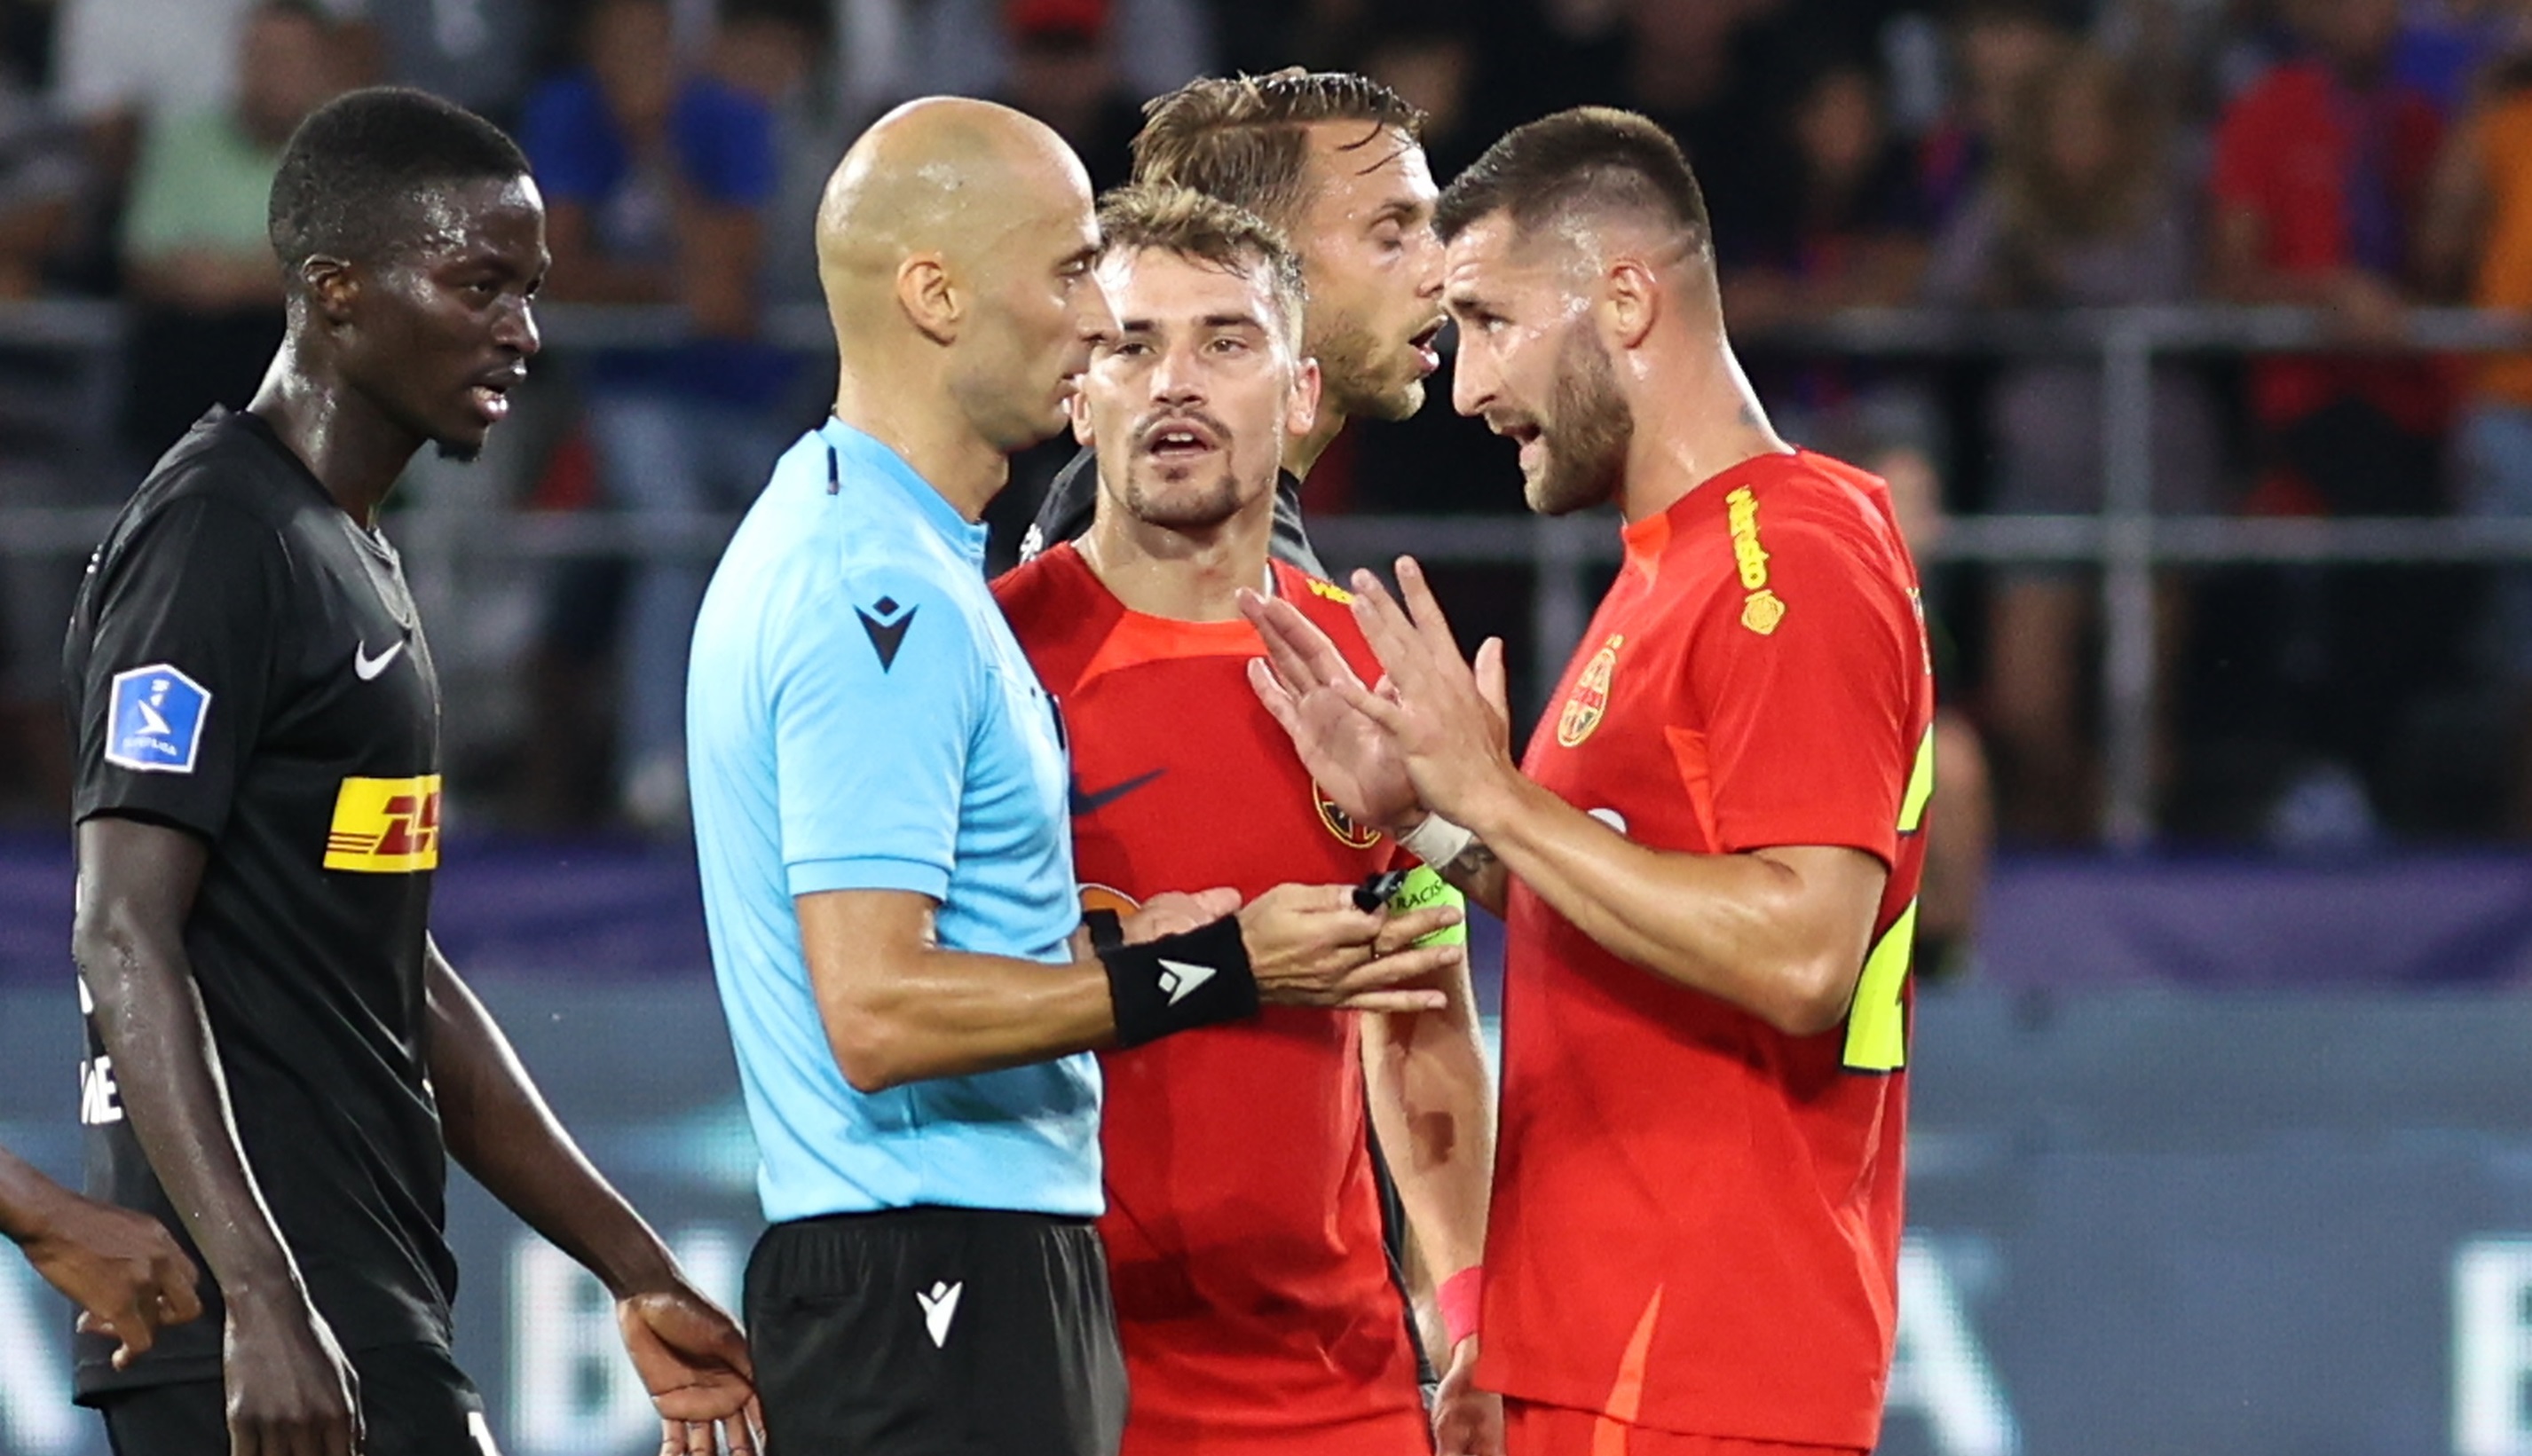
[
  {"x": 564, "y": 131},
  {"x": 875, "y": 700},
  {"x": 1810, "y": 697},
  {"x": 726, "y": 143},
  {"x": 172, "y": 692}
]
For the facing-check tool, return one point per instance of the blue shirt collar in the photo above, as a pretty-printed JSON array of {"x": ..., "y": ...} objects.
[{"x": 864, "y": 452}]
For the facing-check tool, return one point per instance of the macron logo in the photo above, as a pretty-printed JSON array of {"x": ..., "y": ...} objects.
[
  {"x": 939, "y": 1307},
  {"x": 1177, "y": 977}
]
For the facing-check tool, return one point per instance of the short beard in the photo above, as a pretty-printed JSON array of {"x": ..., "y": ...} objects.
[
  {"x": 1586, "y": 448},
  {"x": 1350, "y": 380},
  {"x": 1202, "y": 512}
]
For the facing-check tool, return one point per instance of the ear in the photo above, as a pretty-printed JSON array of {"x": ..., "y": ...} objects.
[
  {"x": 1631, "y": 302},
  {"x": 1078, "y": 407},
  {"x": 332, "y": 287},
  {"x": 1302, "y": 406},
  {"x": 932, "y": 304}
]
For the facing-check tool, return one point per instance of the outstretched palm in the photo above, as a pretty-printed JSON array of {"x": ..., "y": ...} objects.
[{"x": 1349, "y": 753}]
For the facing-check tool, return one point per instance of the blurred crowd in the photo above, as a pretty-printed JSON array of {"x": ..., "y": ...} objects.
[{"x": 2366, "y": 156}]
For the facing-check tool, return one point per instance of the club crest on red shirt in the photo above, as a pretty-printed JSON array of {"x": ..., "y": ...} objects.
[
  {"x": 1339, "y": 824},
  {"x": 1591, "y": 696}
]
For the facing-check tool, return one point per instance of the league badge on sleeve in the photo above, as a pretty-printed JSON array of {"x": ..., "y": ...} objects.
[{"x": 154, "y": 722}]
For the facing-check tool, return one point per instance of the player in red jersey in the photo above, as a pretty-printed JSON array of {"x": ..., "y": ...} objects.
[
  {"x": 1707, "y": 858},
  {"x": 1253, "y": 1295}
]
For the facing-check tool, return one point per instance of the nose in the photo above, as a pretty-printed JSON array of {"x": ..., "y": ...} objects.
[
  {"x": 516, "y": 330},
  {"x": 1092, "y": 318},
  {"x": 1473, "y": 377},
  {"x": 1179, "y": 377},
  {"x": 1428, "y": 262}
]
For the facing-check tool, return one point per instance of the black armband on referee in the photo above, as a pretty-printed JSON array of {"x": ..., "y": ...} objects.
[{"x": 1196, "y": 979}]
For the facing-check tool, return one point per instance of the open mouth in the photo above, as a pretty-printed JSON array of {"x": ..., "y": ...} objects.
[
  {"x": 491, "y": 394},
  {"x": 1424, "y": 342},
  {"x": 1179, "y": 441}
]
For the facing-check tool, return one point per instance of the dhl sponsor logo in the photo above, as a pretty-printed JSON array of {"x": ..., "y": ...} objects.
[
  {"x": 1590, "y": 699},
  {"x": 385, "y": 825},
  {"x": 1761, "y": 610}
]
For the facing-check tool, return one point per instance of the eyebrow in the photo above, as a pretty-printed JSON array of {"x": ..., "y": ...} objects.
[{"x": 1208, "y": 321}]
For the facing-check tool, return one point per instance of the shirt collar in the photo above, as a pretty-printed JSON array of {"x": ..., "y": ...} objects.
[{"x": 866, "y": 455}]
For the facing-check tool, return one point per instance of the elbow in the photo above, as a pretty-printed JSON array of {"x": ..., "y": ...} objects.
[
  {"x": 872, "y": 1058},
  {"x": 1812, "y": 997}
]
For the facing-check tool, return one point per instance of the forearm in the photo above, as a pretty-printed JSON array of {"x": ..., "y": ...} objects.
[
  {"x": 1432, "y": 1105},
  {"x": 500, "y": 1130},
  {"x": 150, "y": 1017},
  {"x": 1731, "y": 925},
  {"x": 946, "y": 1013}
]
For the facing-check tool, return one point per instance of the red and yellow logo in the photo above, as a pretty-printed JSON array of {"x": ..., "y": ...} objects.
[
  {"x": 385, "y": 825},
  {"x": 1763, "y": 609},
  {"x": 1339, "y": 824},
  {"x": 1331, "y": 590},
  {"x": 1590, "y": 698}
]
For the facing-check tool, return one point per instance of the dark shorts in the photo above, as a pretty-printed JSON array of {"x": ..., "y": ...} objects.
[
  {"x": 936, "y": 1332},
  {"x": 413, "y": 1402}
]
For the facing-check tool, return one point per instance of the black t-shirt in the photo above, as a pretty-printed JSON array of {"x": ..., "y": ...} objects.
[
  {"x": 1073, "y": 495},
  {"x": 244, "y": 664}
]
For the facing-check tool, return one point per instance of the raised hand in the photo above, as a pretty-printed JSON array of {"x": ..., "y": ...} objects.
[
  {"x": 1448, "y": 721},
  {"x": 1309, "y": 946},
  {"x": 1346, "y": 751},
  {"x": 694, "y": 1362}
]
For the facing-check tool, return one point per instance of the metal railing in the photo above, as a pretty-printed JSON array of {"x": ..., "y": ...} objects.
[{"x": 2126, "y": 541}]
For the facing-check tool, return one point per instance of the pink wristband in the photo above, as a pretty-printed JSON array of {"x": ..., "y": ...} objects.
[{"x": 1458, "y": 1298}]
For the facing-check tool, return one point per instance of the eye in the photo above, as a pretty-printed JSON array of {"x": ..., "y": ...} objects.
[
  {"x": 1130, "y": 349},
  {"x": 1230, "y": 344}
]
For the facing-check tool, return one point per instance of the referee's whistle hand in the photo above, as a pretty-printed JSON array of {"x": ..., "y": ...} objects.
[
  {"x": 1308, "y": 945},
  {"x": 1176, "y": 911}
]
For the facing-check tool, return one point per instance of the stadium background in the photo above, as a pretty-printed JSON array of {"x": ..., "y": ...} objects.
[{"x": 2224, "y": 1125}]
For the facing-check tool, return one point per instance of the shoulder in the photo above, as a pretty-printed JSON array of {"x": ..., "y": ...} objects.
[
  {"x": 1045, "y": 581},
  {"x": 1815, "y": 519},
  {"x": 1330, "y": 607}
]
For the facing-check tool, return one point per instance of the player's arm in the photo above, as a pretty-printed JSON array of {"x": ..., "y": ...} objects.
[
  {"x": 288, "y": 1384},
  {"x": 1780, "y": 931},
  {"x": 1432, "y": 1107},
  {"x": 898, "y": 1007},
  {"x": 122, "y": 1268},
  {"x": 689, "y": 1352}
]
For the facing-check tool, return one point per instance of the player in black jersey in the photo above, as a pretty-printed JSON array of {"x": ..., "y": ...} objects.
[
  {"x": 281, "y": 1060},
  {"x": 120, "y": 1267}
]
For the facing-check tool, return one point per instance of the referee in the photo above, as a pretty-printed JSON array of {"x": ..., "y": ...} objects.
[
  {"x": 881, "y": 812},
  {"x": 280, "y": 1061}
]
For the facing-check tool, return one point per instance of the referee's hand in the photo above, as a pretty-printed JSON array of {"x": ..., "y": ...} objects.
[{"x": 1308, "y": 945}]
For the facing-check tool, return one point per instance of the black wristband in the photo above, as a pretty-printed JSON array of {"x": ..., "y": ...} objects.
[
  {"x": 1196, "y": 979},
  {"x": 1107, "y": 932}
]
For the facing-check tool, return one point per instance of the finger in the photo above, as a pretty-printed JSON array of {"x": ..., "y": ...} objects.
[
  {"x": 1392, "y": 636},
  {"x": 703, "y": 1439},
  {"x": 1403, "y": 930},
  {"x": 1211, "y": 905},
  {"x": 1425, "y": 609},
  {"x": 1491, "y": 683},
  {"x": 1390, "y": 715},
  {"x": 672, "y": 1436},
  {"x": 1273, "y": 697},
  {"x": 736, "y": 1434},
  {"x": 1391, "y": 971},
  {"x": 1303, "y": 655},
  {"x": 1393, "y": 1002},
  {"x": 246, "y": 1438}
]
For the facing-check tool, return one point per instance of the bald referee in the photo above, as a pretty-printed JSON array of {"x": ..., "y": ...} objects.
[{"x": 881, "y": 810}]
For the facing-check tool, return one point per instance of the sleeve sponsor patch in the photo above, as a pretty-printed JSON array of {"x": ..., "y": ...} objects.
[{"x": 154, "y": 721}]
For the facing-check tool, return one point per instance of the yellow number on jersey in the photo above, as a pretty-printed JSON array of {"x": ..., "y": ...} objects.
[{"x": 1876, "y": 1024}]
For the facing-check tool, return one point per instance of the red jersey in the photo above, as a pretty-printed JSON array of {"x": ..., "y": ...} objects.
[
  {"x": 1253, "y": 1294},
  {"x": 1695, "y": 1216}
]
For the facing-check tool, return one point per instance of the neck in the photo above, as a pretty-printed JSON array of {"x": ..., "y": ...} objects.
[
  {"x": 352, "y": 449},
  {"x": 1183, "y": 575},
  {"x": 927, "y": 428},
  {"x": 1301, "y": 452},
  {"x": 1686, "y": 436}
]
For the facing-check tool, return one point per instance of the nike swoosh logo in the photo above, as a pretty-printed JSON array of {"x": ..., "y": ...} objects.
[
  {"x": 1091, "y": 801},
  {"x": 365, "y": 667}
]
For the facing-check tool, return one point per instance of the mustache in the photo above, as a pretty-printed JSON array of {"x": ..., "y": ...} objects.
[{"x": 1161, "y": 421}]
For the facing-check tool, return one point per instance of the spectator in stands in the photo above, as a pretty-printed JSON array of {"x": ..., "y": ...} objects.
[
  {"x": 2319, "y": 169},
  {"x": 655, "y": 189},
  {"x": 1997, "y": 46},
  {"x": 196, "y": 259},
  {"x": 2478, "y": 242},
  {"x": 477, "y": 53},
  {"x": 2083, "y": 208},
  {"x": 1064, "y": 72}
]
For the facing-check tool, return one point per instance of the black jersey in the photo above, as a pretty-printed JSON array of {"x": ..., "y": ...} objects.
[
  {"x": 1073, "y": 493},
  {"x": 244, "y": 664}
]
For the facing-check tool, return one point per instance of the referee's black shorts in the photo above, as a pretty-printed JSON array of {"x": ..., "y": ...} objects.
[
  {"x": 413, "y": 1402},
  {"x": 934, "y": 1332}
]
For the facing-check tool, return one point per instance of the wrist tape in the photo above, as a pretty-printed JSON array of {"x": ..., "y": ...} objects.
[
  {"x": 1436, "y": 841},
  {"x": 1195, "y": 978}
]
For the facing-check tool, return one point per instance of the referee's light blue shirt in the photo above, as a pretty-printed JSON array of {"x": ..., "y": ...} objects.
[{"x": 859, "y": 717}]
